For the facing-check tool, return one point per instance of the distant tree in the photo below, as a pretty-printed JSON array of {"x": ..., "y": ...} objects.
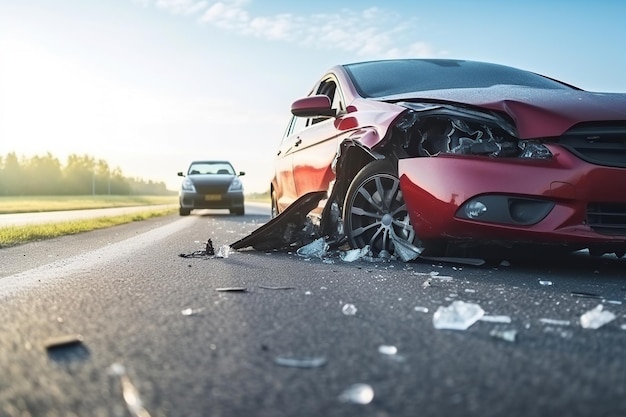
[
  {"x": 79, "y": 175},
  {"x": 42, "y": 175},
  {"x": 12, "y": 182},
  {"x": 82, "y": 175}
]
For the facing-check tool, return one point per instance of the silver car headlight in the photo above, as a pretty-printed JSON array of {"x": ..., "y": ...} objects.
[
  {"x": 187, "y": 185},
  {"x": 236, "y": 185}
]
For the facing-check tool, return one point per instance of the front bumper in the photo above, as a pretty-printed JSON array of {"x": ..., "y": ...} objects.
[
  {"x": 437, "y": 188},
  {"x": 194, "y": 200}
]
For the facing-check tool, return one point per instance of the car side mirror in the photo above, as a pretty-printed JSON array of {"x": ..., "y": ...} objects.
[
  {"x": 313, "y": 106},
  {"x": 180, "y": 174},
  {"x": 241, "y": 173}
]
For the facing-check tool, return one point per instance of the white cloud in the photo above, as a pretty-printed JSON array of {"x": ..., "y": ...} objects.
[{"x": 369, "y": 32}]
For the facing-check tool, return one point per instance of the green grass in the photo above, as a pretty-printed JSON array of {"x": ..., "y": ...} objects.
[
  {"x": 16, "y": 235},
  {"x": 56, "y": 203}
]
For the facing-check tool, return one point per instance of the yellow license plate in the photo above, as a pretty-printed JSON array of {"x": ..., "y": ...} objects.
[{"x": 212, "y": 197}]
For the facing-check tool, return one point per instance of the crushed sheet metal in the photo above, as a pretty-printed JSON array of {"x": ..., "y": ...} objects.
[
  {"x": 129, "y": 392},
  {"x": 596, "y": 318},
  {"x": 306, "y": 362}
]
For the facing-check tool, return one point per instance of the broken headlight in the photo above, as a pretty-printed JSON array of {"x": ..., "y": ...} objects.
[{"x": 449, "y": 130}]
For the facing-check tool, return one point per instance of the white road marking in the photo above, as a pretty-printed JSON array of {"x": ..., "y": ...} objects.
[{"x": 85, "y": 262}]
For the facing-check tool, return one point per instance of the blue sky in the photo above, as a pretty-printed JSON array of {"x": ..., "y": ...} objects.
[{"x": 149, "y": 85}]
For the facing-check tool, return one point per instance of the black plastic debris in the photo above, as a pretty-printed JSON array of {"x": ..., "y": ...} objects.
[
  {"x": 232, "y": 289},
  {"x": 202, "y": 253},
  {"x": 66, "y": 348},
  {"x": 288, "y": 230},
  {"x": 585, "y": 295}
]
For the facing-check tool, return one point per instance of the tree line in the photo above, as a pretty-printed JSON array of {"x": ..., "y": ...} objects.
[{"x": 80, "y": 175}]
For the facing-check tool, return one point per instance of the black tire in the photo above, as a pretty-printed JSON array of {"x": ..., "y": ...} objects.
[
  {"x": 183, "y": 211},
  {"x": 238, "y": 211},
  {"x": 374, "y": 212}
]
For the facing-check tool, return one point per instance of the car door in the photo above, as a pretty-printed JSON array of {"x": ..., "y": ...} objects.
[
  {"x": 316, "y": 145},
  {"x": 285, "y": 187}
]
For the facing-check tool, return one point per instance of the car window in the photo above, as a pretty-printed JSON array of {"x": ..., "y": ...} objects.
[
  {"x": 387, "y": 78},
  {"x": 297, "y": 125},
  {"x": 328, "y": 87},
  {"x": 205, "y": 168}
]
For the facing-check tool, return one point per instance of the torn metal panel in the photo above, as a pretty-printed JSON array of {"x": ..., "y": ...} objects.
[
  {"x": 287, "y": 230},
  {"x": 429, "y": 130}
]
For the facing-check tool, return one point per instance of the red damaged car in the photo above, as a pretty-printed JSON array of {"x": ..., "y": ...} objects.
[{"x": 436, "y": 154}]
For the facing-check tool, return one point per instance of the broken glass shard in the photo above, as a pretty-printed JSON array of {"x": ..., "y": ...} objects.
[
  {"x": 358, "y": 394},
  {"x": 190, "y": 311},
  {"x": 312, "y": 362},
  {"x": 421, "y": 309},
  {"x": 349, "y": 309},
  {"x": 223, "y": 251},
  {"x": 267, "y": 287},
  {"x": 496, "y": 319},
  {"x": 405, "y": 250},
  {"x": 457, "y": 316},
  {"x": 129, "y": 392},
  {"x": 355, "y": 254},
  {"x": 316, "y": 249},
  {"x": 545, "y": 283},
  {"x": 387, "y": 350},
  {"x": 508, "y": 335},
  {"x": 596, "y": 318},
  {"x": 555, "y": 322}
]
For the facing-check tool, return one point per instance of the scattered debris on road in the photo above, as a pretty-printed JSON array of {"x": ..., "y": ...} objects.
[
  {"x": 232, "y": 289},
  {"x": 457, "y": 316},
  {"x": 305, "y": 362},
  {"x": 361, "y": 394},
  {"x": 596, "y": 318},
  {"x": 129, "y": 392}
]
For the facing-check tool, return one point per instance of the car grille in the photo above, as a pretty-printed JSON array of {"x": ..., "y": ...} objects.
[
  {"x": 211, "y": 189},
  {"x": 607, "y": 218},
  {"x": 598, "y": 144}
]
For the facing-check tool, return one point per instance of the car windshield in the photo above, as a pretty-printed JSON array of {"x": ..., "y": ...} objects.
[
  {"x": 387, "y": 78},
  {"x": 205, "y": 168}
]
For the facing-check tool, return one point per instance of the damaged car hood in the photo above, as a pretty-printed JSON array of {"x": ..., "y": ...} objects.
[{"x": 537, "y": 113}]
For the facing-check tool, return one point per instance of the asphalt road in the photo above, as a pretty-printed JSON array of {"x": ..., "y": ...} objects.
[{"x": 157, "y": 337}]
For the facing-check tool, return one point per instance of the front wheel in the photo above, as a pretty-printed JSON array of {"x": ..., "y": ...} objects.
[
  {"x": 184, "y": 211},
  {"x": 374, "y": 211}
]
